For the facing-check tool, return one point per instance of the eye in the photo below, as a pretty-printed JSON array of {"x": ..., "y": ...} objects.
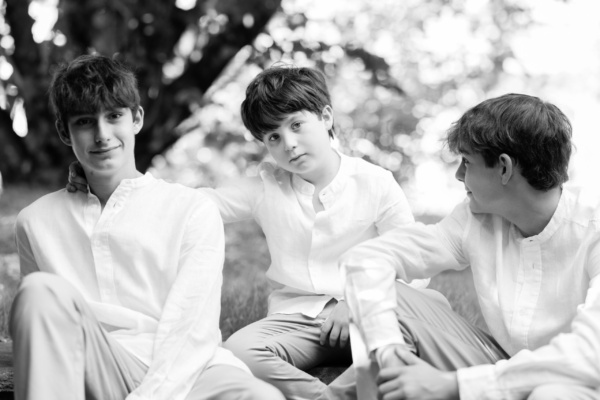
[
  {"x": 83, "y": 121},
  {"x": 115, "y": 115},
  {"x": 273, "y": 138},
  {"x": 465, "y": 161},
  {"x": 296, "y": 125}
]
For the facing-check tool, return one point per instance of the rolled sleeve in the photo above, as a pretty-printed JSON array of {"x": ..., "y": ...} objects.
[
  {"x": 372, "y": 307},
  {"x": 479, "y": 383}
]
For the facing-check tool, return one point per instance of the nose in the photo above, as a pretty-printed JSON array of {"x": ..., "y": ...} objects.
[
  {"x": 103, "y": 133},
  {"x": 289, "y": 141},
  {"x": 460, "y": 172}
]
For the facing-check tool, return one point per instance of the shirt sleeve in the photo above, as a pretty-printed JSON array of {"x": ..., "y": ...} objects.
[
  {"x": 570, "y": 358},
  {"x": 236, "y": 199},
  {"x": 395, "y": 212},
  {"x": 413, "y": 251},
  {"x": 188, "y": 332},
  {"x": 27, "y": 261}
]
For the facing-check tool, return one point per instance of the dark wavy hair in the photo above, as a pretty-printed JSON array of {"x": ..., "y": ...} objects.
[
  {"x": 90, "y": 83},
  {"x": 534, "y": 133},
  {"x": 282, "y": 90}
]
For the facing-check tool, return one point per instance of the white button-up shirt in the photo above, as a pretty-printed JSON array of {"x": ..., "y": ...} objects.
[
  {"x": 540, "y": 296},
  {"x": 150, "y": 267},
  {"x": 362, "y": 202}
]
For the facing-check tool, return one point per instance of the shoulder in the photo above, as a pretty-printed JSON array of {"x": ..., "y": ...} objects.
[
  {"x": 361, "y": 166},
  {"x": 268, "y": 170},
  {"x": 366, "y": 172},
  {"x": 45, "y": 205},
  {"x": 179, "y": 194}
]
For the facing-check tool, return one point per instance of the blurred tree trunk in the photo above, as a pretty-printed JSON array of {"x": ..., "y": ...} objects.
[{"x": 145, "y": 34}]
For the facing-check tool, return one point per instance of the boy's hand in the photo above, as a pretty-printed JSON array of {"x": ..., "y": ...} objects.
[
  {"x": 336, "y": 326},
  {"x": 77, "y": 179},
  {"x": 415, "y": 380}
]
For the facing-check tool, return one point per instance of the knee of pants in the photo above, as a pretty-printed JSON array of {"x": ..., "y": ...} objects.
[
  {"x": 37, "y": 298},
  {"x": 252, "y": 352}
]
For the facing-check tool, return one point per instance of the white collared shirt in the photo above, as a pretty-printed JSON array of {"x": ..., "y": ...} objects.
[
  {"x": 540, "y": 296},
  {"x": 362, "y": 202},
  {"x": 150, "y": 267}
]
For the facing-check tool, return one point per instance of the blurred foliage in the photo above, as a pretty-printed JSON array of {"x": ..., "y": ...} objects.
[
  {"x": 178, "y": 48},
  {"x": 400, "y": 73}
]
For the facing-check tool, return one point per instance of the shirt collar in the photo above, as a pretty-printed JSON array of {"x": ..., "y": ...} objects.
[
  {"x": 126, "y": 186},
  {"x": 555, "y": 222},
  {"x": 335, "y": 186}
]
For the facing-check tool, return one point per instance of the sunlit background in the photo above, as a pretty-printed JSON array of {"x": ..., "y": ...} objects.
[{"x": 442, "y": 57}]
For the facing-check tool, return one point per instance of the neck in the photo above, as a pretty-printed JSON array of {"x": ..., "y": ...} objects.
[
  {"x": 325, "y": 175},
  {"x": 533, "y": 210},
  {"x": 104, "y": 186}
]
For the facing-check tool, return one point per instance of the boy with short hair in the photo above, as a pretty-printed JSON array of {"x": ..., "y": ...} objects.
[
  {"x": 120, "y": 296},
  {"x": 534, "y": 249},
  {"x": 313, "y": 204}
]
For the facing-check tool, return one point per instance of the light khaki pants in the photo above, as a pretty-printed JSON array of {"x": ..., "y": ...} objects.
[
  {"x": 62, "y": 352},
  {"x": 279, "y": 348},
  {"x": 445, "y": 340}
]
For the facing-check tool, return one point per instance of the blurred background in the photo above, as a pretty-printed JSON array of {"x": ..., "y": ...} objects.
[{"x": 400, "y": 72}]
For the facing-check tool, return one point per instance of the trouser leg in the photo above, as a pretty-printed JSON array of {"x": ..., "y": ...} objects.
[
  {"x": 433, "y": 332},
  {"x": 226, "y": 382},
  {"x": 61, "y": 351},
  {"x": 439, "y": 336},
  {"x": 278, "y": 349}
]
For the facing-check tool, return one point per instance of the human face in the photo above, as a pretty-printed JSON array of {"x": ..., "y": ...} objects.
[
  {"x": 301, "y": 144},
  {"x": 103, "y": 142},
  {"x": 482, "y": 183}
]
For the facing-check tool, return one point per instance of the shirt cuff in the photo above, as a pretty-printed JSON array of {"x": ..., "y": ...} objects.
[
  {"x": 478, "y": 383},
  {"x": 381, "y": 330}
]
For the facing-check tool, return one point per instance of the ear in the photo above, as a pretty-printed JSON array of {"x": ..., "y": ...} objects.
[
  {"x": 327, "y": 116},
  {"x": 62, "y": 133},
  {"x": 507, "y": 168},
  {"x": 138, "y": 120}
]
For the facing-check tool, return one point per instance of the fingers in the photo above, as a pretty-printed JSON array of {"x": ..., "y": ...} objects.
[
  {"x": 325, "y": 329},
  {"x": 334, "y": 335},
  {"x": 75, "y": 168},
  {"x": 392, "y": 389},
  {"x": 344, "y": 336},
  {"x": 77, "y": 179},
  {"x": 388, "y": 374},
  {"x": 394, "y": 395}
]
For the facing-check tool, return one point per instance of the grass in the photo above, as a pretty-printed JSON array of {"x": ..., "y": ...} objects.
[{"x": 245, "y": 287}]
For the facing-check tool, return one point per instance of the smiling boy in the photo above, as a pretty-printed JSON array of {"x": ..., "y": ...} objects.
[
  {"x": 120, "y": 296},
  {"x": 313, "y": 204},
  {"x": 533, "y": 247}
]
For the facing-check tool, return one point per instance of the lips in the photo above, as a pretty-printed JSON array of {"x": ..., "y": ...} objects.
[
  {"x": 294, "y": 159},
  {"x": 103, "y": 150}
]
